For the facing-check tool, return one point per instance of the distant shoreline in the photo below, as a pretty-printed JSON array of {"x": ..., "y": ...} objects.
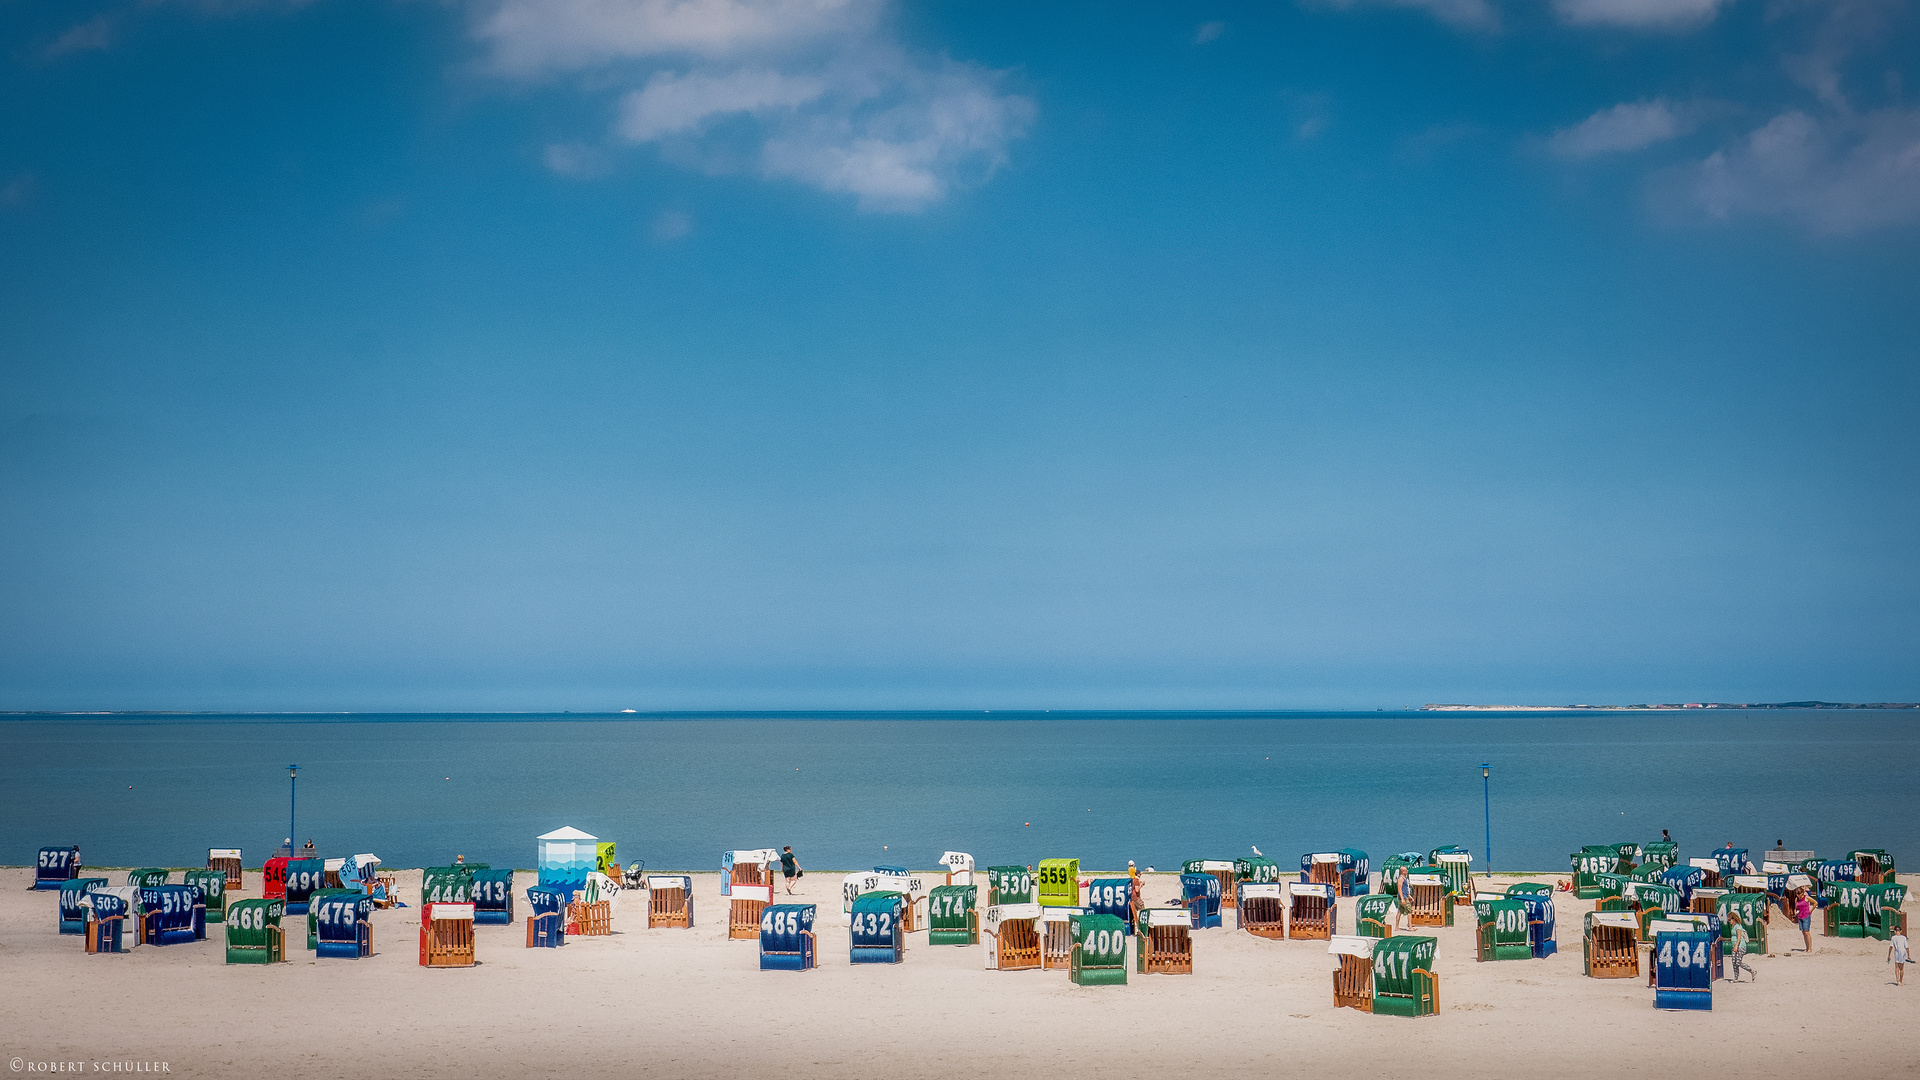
[{"x": 1687, "y": 705}]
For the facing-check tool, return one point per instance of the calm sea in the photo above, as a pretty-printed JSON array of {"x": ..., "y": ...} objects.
[{"x": 852, "y": 790}]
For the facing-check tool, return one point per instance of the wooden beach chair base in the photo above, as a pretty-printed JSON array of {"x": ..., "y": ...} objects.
[
  {"x": 446, "y": 943},
  {"x": 592, "y": 920},
  {"x": 1019, "y": 946},
  {"x": 669, "y": 908},
  {"x": 1353, "y": 984},
  {"x": 1165, "y": 950}
]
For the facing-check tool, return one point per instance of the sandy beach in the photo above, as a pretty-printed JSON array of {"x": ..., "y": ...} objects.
[{"x": 691, "y": 1003}]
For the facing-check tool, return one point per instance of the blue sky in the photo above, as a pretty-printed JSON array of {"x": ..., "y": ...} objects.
[{"x": 529, "y": 354}]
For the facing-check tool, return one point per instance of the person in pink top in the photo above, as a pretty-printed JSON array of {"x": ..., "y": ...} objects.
[{"x": 1803, "y": 910}]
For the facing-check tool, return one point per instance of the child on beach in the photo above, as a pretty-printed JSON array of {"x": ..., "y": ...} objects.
[
  {"x": 1897, "y": 953},
  {"x": 790, "y": 868},
  {"x": 1803, "y": 911},
  {"x": 1740, "y": 953}
]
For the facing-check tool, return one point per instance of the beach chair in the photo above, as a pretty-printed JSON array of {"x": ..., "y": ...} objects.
[
  {"x": 1257, "y": 870},
  {"x": 1873, "y": 866},
  {"x": 1748, "y": 884},
  {"x": 1730, "y": 861},
  {"x": 492, "y": 896},
  {"x": 1353, "y": 979},
  {"x": 1682, "y": 973},
  {"x": 313, "y": 912},
  {"x": 1709, "y": 868},
  {"x": 1390, "y": 870},
  {"x": 446, "y": 935},
  {"x": 951, "y": 918},
  {"x": 669, "y": 900},
  {"x": 1426, "y": 899},
  {"x": 959, "y": 867},
  {"x": 1749, "y": 910},
  {"x": 1059, "y": 882},
  {"x": 787, "y": 942},
  {"x": 1056, "y": 936},
  {"x": 56, "y": 867},
  {"x": 304, "y": 877},
  {"x": 1684, "y": 879},
  {"x": 1540, "y": 934},
  {"x": 171, "y": 915},
  {"x": 1011, "y": 933},
  {"x": 1880, "y": 912},
  {"x": 345, "y": 924},
  {"x": 748, "y": 866},
  {"x": 1501, "y": 930},
  {"x": 253, "y": 932},
  {"x": 1660, "y": 853},
  {"x": 147, "y": 877},
  {"x": 110, "y": 910},
  {"x": 1456, "y": 863},
  {"x": 1707, "y": 901},
  {"x": 1164, "y": 943},
  {"x": 330, "y": 873},
  {"x": 745, "y": 903},
  {"x": 1588, "y": 863},
  {"x": 226, "y": 860},
  {"x": 273, "y": 878},
  {"x": 1009, "y": 885},
  {"x": 1358, "y": 868},
  {"x": 877, "y": 932},
  {"x": 1629, "y": 855},
  {"x": 1260, "y": 910},
  {"x": 591, "y": 912},
  {"x": 1403, "y": 980},
  {"x": 1610, "y": 945},
  {"x": 1323, "y": 868},
  {"x": 1845, "y": 915},
  {"x": 1112, "y": 896},
  {"x": 1221, "y": 869},
  {"x": 1098, "y": 956},
  {"x": 1373, "y": 915},
  {"x": 213, "y": 892},
  {"x": 446, "y": 885},
  {"x": 1611, "y": 890},
  {"x": 1313, "y": 912},
  {"x": 1200, "y": 893},
  {"x": 1706, "y": 924},
  {"x": 546, "y": 918},
  {"x": 73, "y": 914}
]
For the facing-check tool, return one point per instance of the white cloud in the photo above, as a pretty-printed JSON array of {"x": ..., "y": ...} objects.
[
  {"x": 1467, "y": 14},
  {"x": 815, "y": 91},
  {"x": 1633, "y": 125},
  {"x": 671, "y": 225},
  {"x": 1835, "y": 175},
  {"x": 1639, "y": 14},
  {"x": 96, "y": 33},
  {"x": 1208, "y": 31},
  {"x": 576, "y": 159}
]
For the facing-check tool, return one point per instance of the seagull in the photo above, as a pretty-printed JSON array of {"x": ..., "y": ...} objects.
[{"x": 1256, "y": 849}]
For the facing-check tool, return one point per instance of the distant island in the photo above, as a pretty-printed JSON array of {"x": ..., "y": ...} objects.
[{"x": 1685, "y": 705}]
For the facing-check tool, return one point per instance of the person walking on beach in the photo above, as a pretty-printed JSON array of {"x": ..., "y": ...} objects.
[
  {"x": 790, "y": 868},
  {"x": 1897, "y": 953},
  {"x": 1740, "y": 953},
  {"x": 1803, "y": 911}
]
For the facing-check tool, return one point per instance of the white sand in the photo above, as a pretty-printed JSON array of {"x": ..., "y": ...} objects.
[{"x": 678, "y": 1003}]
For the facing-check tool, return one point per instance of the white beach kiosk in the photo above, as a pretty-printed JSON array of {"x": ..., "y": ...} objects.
[{"x": 567, "y": 856}]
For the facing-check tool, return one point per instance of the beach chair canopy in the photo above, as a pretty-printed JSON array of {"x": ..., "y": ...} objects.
[
  {"x": 1649, "y": 895},
  {"x": 1662, "y": 852},
  {"x": 1111, "y": 896},
  {"x": 1201, "y": 887},
  {"x": 957, "y": 862},
  {"x": 1257, "y": 869},
  {"x": 761, "y": 857},
  {"x": 337, "y": 915},
  {"x": 1733, "y": 861},
  {"x": 359, "y": 869},
  {"x": 447, "y": 885},
  {"x": 1009, "y": 885},
  {"x": 1000, "y": 913},
  {"x": 1102, "y": 940},
  {"x": 567, "y": 856},
  {"x": 1059, "y": 882},
  {"x": 55, "y": 865},
  {"x": 876, "y": 920},
  {"x": 491, "y": 889},
  {"x": 546, "y": 900},
  {"x": 1526, "y": 888},
  {"x": 783, "y": 927},
  {"x": 949, "y": 905},
  {"x": 1346, "y": 945},
  {"x": 304, "y": 876},
  {"x": 1596, "y": 859},
  {"x": 1683, "y": 878},
  {"x": 146, "y": 875}
]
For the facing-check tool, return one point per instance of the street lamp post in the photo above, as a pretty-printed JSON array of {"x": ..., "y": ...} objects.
[
  {"x": 1486, "y": 802},
  {"x": 293, "y": 785}
]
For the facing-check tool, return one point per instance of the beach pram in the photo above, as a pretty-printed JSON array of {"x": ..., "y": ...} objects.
[
  {"x": 546, "y": 918},
  {"x": 1012, "y": 935},
  {"x": 1373, "y": 915},
  {"x": 959, "y": 867},
  {"x": 1222, "y": 871},
  {"x": 1260, "y": 910},
  {"x": 1845, "y": 914},
  {"x": 951, "y": 918},
  {"x": 1403, "y": 980},
  {"x": 1059, "y": 882},
  {"x": 73, "y": 914},
  {"x": 787, "y": 942},
  {"x": 172, "y": 915},
  {"x": 1099, "y": 952},
  {"x": 1873, "y": 866},
  {"x": 226, "y": 860},
  {"x": 110, "y": 910},
  {"x": 492, "y": 895},
  {"x": 878, "y": 933},
  {"x": 213, "y": 892},
  {"x": 1201, "y": 895},
  {"x": 147, "y": 877},
  {"x": 1056, "y": 935},
  {"x": 304, "y": 878},
  {"x": 1880, "y": 913},
  {"x": 446, "y": 935},
  {"x": 345, "y": 924},
  {"x": 56, "y": 867},
  {"x": 253, "y": 932},
  {"x": 1750, "y": 911},
  {"x": 1009, "y": 885},
  {"x": 1112, "y": 896},
  {"x": 1390, "y": 870},
  {"x": 1588, "y": 864},
  {"x": 1313, "y": 912},
  {"x": 1502, "y": 930},
  {"x": 1425, "y": 898},
  {"x": 1683, "y": 977},
  {"x": 669, "y": 900},
  {"x": 1610, "y": 945},
  {"x": 1165, "y": 942}
]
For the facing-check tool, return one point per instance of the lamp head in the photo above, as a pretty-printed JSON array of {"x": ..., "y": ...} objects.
[
  {"x": 292, "y": 771},
  {"x": 1486, "y": 769}
]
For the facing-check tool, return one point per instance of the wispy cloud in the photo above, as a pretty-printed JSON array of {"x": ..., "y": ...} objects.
[
  {"x": 816, "y": 91},
  {"x": 1208, "y": 31},
  {"x": 1466, "y": 14},
  {"x": 671, "y": 225},
  {"x": 1640, "y": 14},
  {"x": 1633, "y": 125},
  {"x": 1834, "y": 175},
  {"x": 96, "y": 33}
]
